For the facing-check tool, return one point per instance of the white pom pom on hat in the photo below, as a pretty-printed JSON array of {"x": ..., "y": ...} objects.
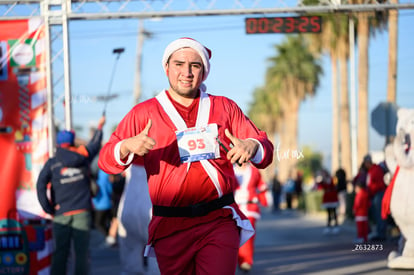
[{"x": 187, "y": 42}]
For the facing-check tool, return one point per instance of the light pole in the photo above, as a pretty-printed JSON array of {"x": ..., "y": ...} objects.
[
  {"x": 117, "y": 52},
  {"x": 142, "y": 34}
]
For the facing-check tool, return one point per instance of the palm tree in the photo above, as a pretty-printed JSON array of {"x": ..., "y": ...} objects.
[
  {"x": 345, "y": 127},
  {"x": 265, "y": 111},
  {"x": 392, "y": 52},
  {"x": 334, "y": 41},
  {"x": 363, "y": 42},
  {"x": 327, "y": 42},
  {"x": 367, "y": 23},
  {"x": 293, "y": 76}
]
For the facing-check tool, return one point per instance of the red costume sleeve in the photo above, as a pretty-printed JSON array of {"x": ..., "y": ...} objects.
[
  {"x": 386, "y": 200},
  {"x": 128, "y": 127}
]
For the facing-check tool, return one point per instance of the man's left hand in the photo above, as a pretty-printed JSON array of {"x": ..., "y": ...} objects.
[{"x": 243, "y": 149}]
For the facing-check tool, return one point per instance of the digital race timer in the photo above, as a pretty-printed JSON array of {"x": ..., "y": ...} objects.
[{"x": 295, "y": 24}]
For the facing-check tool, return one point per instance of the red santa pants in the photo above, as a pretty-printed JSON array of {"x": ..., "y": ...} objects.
[
  {"x": 246, "y": 251},
  {"x": 204, "y": 249},
  {"x": 362, "y": 229}
]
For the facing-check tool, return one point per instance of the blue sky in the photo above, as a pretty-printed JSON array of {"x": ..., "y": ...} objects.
[{"x": 238, "y": 65}]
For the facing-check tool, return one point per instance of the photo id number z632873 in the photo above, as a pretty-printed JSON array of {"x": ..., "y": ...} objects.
[{"x": 368, "y": 247}]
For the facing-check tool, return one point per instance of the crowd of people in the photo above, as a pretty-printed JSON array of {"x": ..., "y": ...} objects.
[
  {"x": 368, "y": 188},
  {"x": 357, "y": 199}
]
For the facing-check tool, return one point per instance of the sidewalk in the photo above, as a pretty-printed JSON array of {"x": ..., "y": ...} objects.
[
  {"x": 104, "y": 260},
  {"x": 292, "y": 243}
]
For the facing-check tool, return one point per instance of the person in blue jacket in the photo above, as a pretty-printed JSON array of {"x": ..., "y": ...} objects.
[
  {"x": 69, "y": 203},
  {"x": 102, "y": 204}
]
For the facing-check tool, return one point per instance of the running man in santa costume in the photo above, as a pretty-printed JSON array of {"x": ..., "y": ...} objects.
[
  {"x": 251, "y": 192},
  {"x": 196, "y": 226}
]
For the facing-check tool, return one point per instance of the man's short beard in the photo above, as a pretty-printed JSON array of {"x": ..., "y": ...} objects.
[{"x": 191, "y": 94}]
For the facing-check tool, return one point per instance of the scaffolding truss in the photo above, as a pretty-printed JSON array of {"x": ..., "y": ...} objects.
[{"x": 106, "y": 9}]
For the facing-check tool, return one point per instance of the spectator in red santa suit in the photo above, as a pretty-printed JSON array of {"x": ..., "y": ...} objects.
[
  {"x": 251, "y": 192},
  {"x": 329, "y": 201},
  {"x": 196, "y": 227},
  {"x": 360, "y": 209},
  {"x": 376, "y": 188}
]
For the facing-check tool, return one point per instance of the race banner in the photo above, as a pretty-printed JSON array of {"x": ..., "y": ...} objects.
[{"x": 23, "y": 115}]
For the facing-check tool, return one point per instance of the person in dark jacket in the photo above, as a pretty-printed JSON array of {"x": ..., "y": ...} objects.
[
  {"x": 340, "y": 181},
  {"x": 69, "y": 203}
]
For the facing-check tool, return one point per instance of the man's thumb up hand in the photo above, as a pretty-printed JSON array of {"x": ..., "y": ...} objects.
[{"x": 140, "y": 144}]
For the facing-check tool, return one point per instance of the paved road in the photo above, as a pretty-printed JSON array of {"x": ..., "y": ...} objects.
[
  {"x": 293, "y": 243},
  {"x": 290, "y": 243}
]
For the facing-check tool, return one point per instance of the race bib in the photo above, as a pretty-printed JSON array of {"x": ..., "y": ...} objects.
[{"x": 195, "y": 144}]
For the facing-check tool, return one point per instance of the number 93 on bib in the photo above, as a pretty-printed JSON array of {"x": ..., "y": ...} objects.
[{"x": 198, "y": 143}]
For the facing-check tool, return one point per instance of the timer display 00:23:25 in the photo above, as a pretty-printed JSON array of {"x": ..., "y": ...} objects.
[{"x": 298, "y": 24}]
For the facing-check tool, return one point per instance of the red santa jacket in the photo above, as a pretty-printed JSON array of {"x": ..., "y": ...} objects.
[
  {"x": 330, "y": 194},
  {"x": 171, "y": 183},
  {"x": 361, "y": 203},
  {"x": 375, "y": 180}
]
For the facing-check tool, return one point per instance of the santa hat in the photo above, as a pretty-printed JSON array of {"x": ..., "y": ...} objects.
[{"x": 186, "y": 42}]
